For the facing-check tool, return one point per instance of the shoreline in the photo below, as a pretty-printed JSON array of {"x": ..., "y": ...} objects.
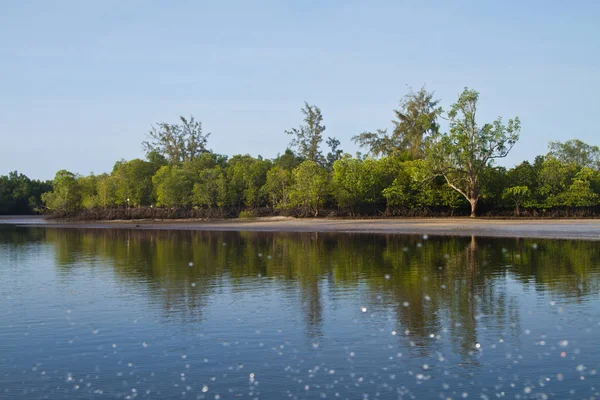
[{"x": 584, "y": 229}]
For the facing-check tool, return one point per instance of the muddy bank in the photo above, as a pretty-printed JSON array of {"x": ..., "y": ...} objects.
[{"x": 588, "y": 229}]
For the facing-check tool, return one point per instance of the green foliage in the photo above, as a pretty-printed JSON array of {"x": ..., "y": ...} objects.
[
  {"x": 65, "y": 197},
  {"x": 172, "y": 186},
  {"x": 518, "y": 195},
  {"x": 210, "y": 190},
  {"x": 308, "y": 137},
  {"x": 310, "y": 186},
  {"x": 20, "y": 195},
  {"x": 462, "y": 155},
  {"x": 176, "y": 142},
  {"x": 457, "y": 171},
  {"x": 416, "y": 120},
  {"x": 246, "y": 176},
  {"x": 580, "y": 192},
  {"x": 133, "y": 182},
  {"x": 245, "y": 214},
  {"x": 277, "y": 186},
  {"x": 577, "y": 152}
]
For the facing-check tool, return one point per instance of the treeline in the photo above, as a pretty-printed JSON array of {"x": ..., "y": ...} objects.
[
  {"x": 20, "y": 195},
  {"x": 415, "y": 170}
]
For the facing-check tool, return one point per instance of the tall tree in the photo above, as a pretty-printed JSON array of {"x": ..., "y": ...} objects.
[
  {"x": 308, "y": 137},
  {"x": 462, "y": 155},
  {"x": 416, "y": 120},
  {"x": 176, "y": 142},
  {"x": 577, "y": 152},
  {"x": 335, "y": 152}
]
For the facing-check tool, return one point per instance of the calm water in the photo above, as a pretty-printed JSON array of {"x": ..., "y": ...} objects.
[{"x": 197, "y": 315}]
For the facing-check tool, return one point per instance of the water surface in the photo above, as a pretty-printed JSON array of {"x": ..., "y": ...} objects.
[{"x": 228, "y": 315}]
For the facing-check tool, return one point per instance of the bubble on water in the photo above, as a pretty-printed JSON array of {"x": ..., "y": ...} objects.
[
  {"x": 363, "y": 309},
  {"x": 527, "y": 331},
  {"x": 259, "y": 254},
  {"x": 406, "y": 304},
  {"x": 552, "y": 303},
  {"x": 425, "y": 237},
  {"x": 315, "y": 345},
  {"x": 306, "y": 387},
  {"x": 204, "y": 389},
  {"x": 426, "y": 366},
  {"x": 420, "y": 376},
  {"x": 580, "y": 368},
  {"x": 95, "y": 331},
  {"x": 405, "y": 249},
  {"x": 193, "y": 284},
  {"x": 183, "y": 356},
  {"x": 352, "y": 354},
  {"x": 563, "y": 343},
  {"x": 331, "y": 371},
  {"x": 427, "y": 298},
  {"x": 394, "y": 333},
  {"x": 190, "y": 264},
  {"x": 419, "y": 244},
  {"x": 114, "y": 345},
  {"x": 145, "y": 344},
  {"x": 387, "y": 276}
]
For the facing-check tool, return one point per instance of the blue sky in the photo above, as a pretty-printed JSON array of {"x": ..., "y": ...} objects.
[{"x": 82, "y": 82}]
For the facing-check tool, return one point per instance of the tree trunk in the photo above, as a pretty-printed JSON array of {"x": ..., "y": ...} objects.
[
  {"x": 473, "y": 207},
  {"x": 517, "y": 210}
]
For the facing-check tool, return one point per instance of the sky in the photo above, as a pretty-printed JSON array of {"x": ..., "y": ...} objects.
[{"x": 83, "y": 82}]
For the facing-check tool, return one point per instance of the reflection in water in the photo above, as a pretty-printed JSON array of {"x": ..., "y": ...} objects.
[{"x": 456, "y": 288}]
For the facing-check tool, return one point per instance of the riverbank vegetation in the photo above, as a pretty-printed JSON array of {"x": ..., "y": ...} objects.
[
  {"x": 417, "y": 169},
  {"x": 20, "y": 195}
]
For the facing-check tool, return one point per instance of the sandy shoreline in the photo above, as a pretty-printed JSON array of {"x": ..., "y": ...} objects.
[{"x": 588, "y": 229}]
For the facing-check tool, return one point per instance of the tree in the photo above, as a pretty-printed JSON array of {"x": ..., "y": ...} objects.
[
  {"x": 580, "y": 192},
  {"x": 462, "y": 155},
  {"x": 288, "y": 160},
  {"x": 246, "y": 176},
  {"x": 308, "y": 137},
  {"x": 176, "y": 142},
  {"x": 518, "y": 195},
  {"x": 172, "y": 187},
  {"x": 416, "y": 120},
  {"x": 133, "y": 182},
  {"x": 20, "y": 195},
  {"x": 65, "y": 196},
  {"x": 276, "y": 187},
  {"x": 577, "y": 152},
  {"x": 334, "y": 154},
  {"x": 210, "y": 189},
  {"x": 310, "y": 186}
]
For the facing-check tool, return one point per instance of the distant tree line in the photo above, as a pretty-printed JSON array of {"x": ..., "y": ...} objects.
[
  {"x": 414, "y": 170},
  {"x": 20, "y": 195}
]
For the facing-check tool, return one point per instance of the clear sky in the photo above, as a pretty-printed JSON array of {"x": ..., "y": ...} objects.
[{"x": 83, "y": 81}]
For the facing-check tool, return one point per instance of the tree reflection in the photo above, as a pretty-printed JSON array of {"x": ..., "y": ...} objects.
[{"x": 452, "y": 287}]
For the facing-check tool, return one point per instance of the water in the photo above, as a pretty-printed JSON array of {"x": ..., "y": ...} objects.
[{"x": 88, "y": 314}]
